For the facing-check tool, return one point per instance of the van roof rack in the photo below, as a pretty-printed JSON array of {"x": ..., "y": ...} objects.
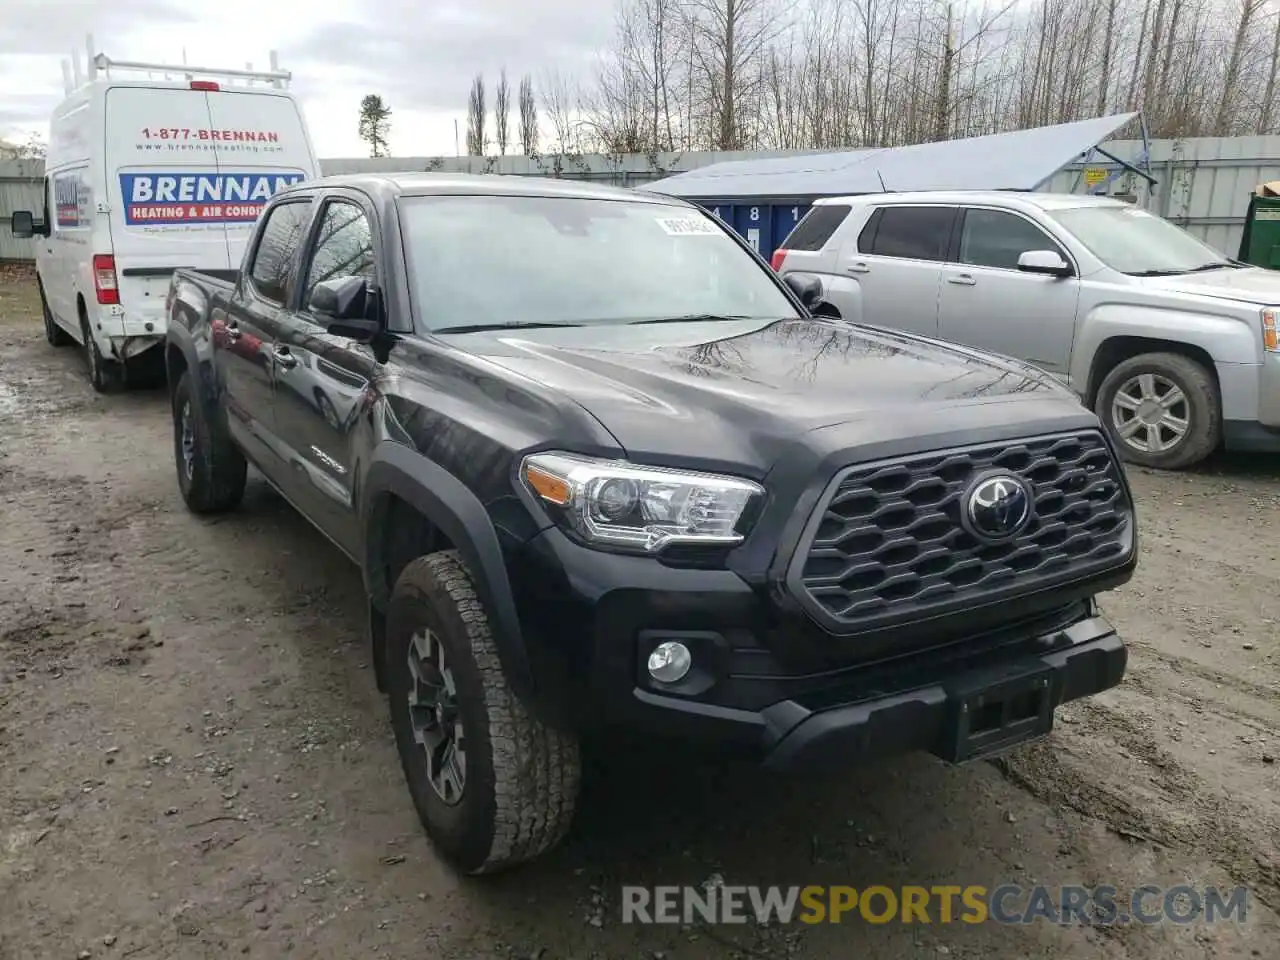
[{"x": 100, "y": 63}]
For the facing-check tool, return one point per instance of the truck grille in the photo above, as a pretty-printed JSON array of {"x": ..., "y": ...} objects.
[{"x": 889, "y": 542}]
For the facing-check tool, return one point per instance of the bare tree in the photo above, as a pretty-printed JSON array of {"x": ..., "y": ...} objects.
[
  {"x": 557, "y": 95},
  {"x": 476, "y": 139},
  {"x": 1248, "y": 10},
  {"x": 528, "y": 110},
  {"x": 502, "y": 113}
]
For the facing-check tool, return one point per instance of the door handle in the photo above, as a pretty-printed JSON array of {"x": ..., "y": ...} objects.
[
  {"x": 282, "y": 356},
  {"x": 962, "y": 279},
  {"x": 233, "y": 330},
  {"x": 857, "y": 267}
]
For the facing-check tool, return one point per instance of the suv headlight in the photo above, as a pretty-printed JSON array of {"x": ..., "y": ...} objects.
[{"x": 645, "y": 508}]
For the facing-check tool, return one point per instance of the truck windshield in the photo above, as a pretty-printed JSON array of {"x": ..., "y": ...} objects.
[
  {"x": 1138, "y": 243},
  {"x": 479, "y": 261}
]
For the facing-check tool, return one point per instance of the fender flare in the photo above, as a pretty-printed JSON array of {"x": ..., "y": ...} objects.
[{"x": 457, "y": 513}]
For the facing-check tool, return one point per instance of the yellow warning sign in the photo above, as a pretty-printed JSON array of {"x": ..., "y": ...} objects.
[{"x": 1094, "y": 175}]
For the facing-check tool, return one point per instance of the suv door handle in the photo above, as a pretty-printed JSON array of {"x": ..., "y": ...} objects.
[
  {"x": 282, "y": 356},
  {"x": 857, "y": 267},
  {"x": 963, "y": 279},
  {"x": 233, "y": 330}
]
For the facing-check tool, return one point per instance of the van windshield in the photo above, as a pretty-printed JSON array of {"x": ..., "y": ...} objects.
[
  {"x": 518, "y": 260},
  {"x": 1138, "y": 243}
]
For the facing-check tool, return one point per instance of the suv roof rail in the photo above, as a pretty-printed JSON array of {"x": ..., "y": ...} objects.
[{"x": 100, "y": 64}]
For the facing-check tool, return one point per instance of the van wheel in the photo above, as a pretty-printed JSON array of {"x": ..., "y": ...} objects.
[
  {"x": 52, "y": 332},
  {"x": 211, "y": 471},
  {"x": 493, "y": 785},
  {"x": 104, "y": 374},
  {"x": 1162, "y": 409}
]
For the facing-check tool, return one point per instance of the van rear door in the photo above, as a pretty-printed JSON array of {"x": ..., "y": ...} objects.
[
  {"x": 155, "y": 161},
  {"x": 262, "y": 146},
  {"x": 189, "y": 170}
]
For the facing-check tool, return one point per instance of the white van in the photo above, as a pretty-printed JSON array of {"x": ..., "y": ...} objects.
[{"x": 143, "y": 176}]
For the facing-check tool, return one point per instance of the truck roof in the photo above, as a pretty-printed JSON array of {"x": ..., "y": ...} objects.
[
  {"x": 414, "y": 184},
  {"x": 1010, "y": 198}
]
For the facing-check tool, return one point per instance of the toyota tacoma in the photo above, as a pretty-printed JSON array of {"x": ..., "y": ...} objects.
[{"x": 602, "y": 470}]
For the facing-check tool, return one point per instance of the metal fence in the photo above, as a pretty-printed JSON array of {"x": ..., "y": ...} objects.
[{"x": 1202, "y": 184}]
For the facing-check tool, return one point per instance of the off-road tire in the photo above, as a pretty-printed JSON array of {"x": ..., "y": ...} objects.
[
  {"x": 522, "y": 776},
  {"x": 218, "y": 469},
  {"x": 105, "y": 375},
  {"x": 1203, "y": 401},
  {"x": 56, "y": 336}
]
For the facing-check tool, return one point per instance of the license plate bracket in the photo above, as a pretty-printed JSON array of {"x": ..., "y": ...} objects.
[{"x": 994, "y": 712}]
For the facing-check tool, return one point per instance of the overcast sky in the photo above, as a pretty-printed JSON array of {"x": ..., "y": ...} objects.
[{"x": 420, "y": 56}]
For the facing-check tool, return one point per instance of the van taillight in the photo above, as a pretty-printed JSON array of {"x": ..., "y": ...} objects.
[
  {"x": 208, "y": 85},
  {"x": 104, "y": 278},
  {"x": 778, "y": 256}
]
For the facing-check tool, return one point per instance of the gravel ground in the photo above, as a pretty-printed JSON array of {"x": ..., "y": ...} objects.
[{"x": 194, "y": 761}]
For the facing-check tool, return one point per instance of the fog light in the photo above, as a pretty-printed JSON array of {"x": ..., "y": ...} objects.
[{"x": 669, "y": 662}]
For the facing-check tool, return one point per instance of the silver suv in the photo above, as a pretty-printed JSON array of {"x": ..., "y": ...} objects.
[{"x": 1173, "y": 345}]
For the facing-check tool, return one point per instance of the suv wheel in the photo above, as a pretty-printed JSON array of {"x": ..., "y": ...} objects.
[
  {"x": 493, "y": 785},
  {"x": 52, "y": 332},
  {"x": 1162, "y": 409},
  {"x": 211, "y": 472}
]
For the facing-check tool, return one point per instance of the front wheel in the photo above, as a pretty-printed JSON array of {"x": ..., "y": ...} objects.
[
  {"x": 1163, "y": 410},
  {"x": 56, "y": 336},
  {"x": 492, "y": 784}
]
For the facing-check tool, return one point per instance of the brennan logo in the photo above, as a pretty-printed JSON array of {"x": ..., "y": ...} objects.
[{"x": 186, "y": 198}]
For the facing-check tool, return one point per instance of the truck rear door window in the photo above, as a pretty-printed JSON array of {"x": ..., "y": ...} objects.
[
  {"x": 915, "y": 233},
  {"x": 273, "y": 259}
]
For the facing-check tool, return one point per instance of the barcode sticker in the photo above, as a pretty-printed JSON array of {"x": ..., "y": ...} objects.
[{"x": 688, "y": 226}]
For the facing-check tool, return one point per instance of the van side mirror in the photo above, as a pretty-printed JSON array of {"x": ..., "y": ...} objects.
[
  {"x": 1048, "y": 262},
  {"x": 24, "y": 225},
  {"x": 806, "y": 288},
  {"x": 342, "y": 305}
]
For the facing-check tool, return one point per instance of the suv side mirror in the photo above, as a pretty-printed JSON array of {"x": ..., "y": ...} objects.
[
  {"x": 806, "y": 288},
  {"x": 1044, "y": 261},
  {"x": 24, "y": 225},
  {"x": 343, "y": 306}
]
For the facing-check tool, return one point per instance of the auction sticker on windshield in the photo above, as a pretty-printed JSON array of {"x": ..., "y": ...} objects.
[{"x": 688, "y": 226}]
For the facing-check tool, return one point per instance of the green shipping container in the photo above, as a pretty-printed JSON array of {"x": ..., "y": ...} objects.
[{"x": 1260, "y": 243}]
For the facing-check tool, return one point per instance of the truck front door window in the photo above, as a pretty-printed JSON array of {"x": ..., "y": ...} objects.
[
  {"x": 273, "y": 260},
  {"x": 344, "y": 247},
  {"x": 994, "y": 238}
]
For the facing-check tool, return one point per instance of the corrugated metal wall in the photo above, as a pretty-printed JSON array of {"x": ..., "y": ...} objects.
[
  {"x": 1203, "y": 184},
  {"x": 19, "y": 190}
]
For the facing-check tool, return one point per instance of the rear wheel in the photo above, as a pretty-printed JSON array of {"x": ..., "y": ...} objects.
[
  {"x": 1162, "y": 409},
  {"x": 52, "y": 332},
  {"x": 104, "y": 374},
  {"x": 211, "y": 471}
]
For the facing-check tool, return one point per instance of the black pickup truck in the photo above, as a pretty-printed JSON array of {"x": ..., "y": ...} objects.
[{"x": 602, "y": 471}]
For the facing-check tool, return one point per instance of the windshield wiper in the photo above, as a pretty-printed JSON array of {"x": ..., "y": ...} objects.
[
  {"x": 695, "y": 317},
  {"x": 514, "y": 325},
  {"x": 1213, "y": 265}
]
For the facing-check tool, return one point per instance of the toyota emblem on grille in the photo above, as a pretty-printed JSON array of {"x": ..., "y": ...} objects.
[{"x": 998, "y": 507}]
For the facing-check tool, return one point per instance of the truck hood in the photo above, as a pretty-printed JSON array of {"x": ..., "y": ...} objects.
[
  {"x": 1246, "y": 285},
  {"x": 743, "y": 392}
]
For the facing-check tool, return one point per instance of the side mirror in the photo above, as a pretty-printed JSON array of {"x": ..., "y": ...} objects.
[
  {"x": 343, "y": 306},
  {"x": 1047, "y": 262},
  {"x": 23, "y": 225},
  {"x": 806, "y": 288}
]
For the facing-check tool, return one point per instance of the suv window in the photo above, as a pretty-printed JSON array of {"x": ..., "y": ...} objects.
[
  {"x": 813, "y": 232},
  {"x": 996, "y": 238},
  {"x": 344, "y": 246},
  {"x": 918, "y": 233},
  {"x": 280, "y": 238}
]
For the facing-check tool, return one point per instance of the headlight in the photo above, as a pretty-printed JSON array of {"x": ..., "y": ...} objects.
[{"x": 647, "y": 508}]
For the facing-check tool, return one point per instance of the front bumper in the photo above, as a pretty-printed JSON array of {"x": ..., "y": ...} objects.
[{"x": 775, "y": 687}]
